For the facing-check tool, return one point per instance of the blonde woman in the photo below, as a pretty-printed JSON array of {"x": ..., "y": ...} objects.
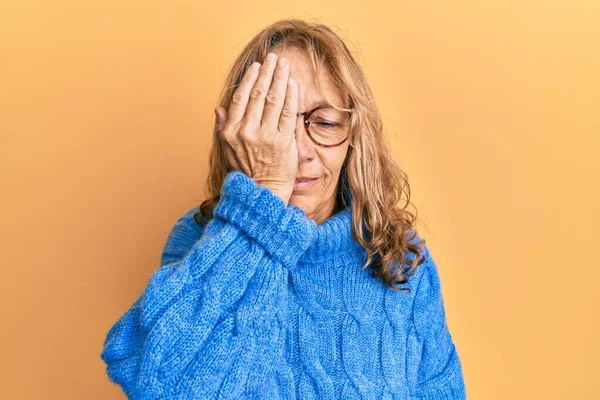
[{"x": 301, "y": 276}]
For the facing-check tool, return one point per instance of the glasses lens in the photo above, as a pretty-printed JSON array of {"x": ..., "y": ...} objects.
[{"x": 329, "y": 126}]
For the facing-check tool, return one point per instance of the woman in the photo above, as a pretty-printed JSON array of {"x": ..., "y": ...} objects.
[{"x": 263, "y": 291}]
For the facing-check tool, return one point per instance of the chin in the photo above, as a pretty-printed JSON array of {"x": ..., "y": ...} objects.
[{"x": 300, "y": 204}]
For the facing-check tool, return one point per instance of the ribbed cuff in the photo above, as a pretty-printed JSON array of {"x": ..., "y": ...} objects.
[{"x": 284, "y": 232}]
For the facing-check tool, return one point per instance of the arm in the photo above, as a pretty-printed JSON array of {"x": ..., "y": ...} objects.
[
  {"x": 209, "y": 324},
  {"x": 440, "y": 371},
  {"x": 182, "y": 238}
]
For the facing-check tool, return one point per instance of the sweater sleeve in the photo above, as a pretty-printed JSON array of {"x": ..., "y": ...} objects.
[
  {"x": 209, "y": 325},
  {"x": 182, "y": 237},
  {"x": 439, "y": 375}
]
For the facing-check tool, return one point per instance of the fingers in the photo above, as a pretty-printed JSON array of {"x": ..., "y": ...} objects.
[
  {"x": 256, "y": 104},
  {"x": 239, "y": 100},
  {"x": 221, "y": 114},
  {"x": 231, "y": 158},
  {"x": 276, "y": 95},
  {"x": 265, "y": 101},
  {"x": 288, "y": 119}
]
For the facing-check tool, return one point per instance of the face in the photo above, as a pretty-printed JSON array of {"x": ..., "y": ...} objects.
[{"x": 318, "y": 199}]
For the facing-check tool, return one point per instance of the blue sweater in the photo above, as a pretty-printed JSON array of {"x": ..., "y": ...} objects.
[{"x": 263, "y": 303}]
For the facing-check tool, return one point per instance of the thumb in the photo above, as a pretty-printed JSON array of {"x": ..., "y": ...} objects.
[{"x": 221, "y": 115}]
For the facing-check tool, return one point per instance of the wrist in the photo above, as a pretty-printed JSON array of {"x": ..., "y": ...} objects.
[
  {"x": 280, "y": 189},
  {"x": 283, "y": 194}
]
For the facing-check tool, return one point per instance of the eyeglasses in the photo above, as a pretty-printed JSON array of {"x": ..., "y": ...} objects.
[{"x": 327, "y": 126}]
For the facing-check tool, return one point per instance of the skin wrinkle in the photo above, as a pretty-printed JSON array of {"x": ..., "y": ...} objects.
[{"x": 319, "y": 201}]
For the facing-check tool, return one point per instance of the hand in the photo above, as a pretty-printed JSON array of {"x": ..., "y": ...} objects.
[{"x": 258, "y": 130}]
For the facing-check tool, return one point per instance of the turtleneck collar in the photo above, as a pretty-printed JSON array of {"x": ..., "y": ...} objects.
[{"x": 332, "y": 238}]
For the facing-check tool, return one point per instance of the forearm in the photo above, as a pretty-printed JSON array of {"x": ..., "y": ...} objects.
[{"x": 207, "y": 322}]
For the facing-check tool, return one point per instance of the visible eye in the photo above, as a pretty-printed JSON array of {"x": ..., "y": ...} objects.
[{"x": 327, "y": 124}]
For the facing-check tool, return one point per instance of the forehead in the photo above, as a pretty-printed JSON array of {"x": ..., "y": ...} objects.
[{"x": 301, "y": 70}]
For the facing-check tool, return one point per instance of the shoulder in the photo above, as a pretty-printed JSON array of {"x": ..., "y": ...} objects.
[
  {"x": 424, "y": 260},
  {"x": 182, "y": 237},
  {"x": 427, "y": 273},
  {"x": 428, "y": 305}
]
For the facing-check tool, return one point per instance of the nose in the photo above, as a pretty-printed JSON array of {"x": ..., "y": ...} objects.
[{"x": 306, "y": 149}]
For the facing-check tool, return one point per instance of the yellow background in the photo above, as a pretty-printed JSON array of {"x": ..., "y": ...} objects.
[{"x": 492, "y": 107}]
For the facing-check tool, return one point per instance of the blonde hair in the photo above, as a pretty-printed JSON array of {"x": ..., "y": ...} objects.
[{"x": 370, "y": 176}]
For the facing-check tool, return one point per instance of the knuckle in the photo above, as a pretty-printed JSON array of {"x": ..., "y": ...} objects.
[
  {"x": 287, "y": 111},
  {"x": 237, "y": 98},
  {"x": 244, "y": 132},
  {"x": 257, "y": 92},
  {"x": 273, "y": 98}
]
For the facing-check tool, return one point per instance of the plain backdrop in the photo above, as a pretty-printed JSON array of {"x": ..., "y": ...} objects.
[{"x": 491, "y": 107}]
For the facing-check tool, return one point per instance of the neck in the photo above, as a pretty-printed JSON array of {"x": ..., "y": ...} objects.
[{"x": 324, "y": 213}]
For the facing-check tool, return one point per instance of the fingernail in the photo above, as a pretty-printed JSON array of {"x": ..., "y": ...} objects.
[{"x": 271, "y": 57}]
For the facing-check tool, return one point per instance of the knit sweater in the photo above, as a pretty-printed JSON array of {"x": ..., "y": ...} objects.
[{"x": 264, "y": 303}]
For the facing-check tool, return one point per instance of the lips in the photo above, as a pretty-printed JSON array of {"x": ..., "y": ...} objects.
[{"x": 304, "y": 183}]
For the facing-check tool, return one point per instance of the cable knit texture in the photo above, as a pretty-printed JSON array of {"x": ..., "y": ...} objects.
[{"x": 263, "y": 303}]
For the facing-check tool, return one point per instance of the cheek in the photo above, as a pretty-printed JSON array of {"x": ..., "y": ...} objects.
[
  {"x": 333, "y": 159},
  {"x": 332, "y": 177},
  {"x": 334, "y": 163}
]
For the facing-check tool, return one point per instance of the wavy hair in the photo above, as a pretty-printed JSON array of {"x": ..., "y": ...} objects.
[{"x": 370, "y": 179}]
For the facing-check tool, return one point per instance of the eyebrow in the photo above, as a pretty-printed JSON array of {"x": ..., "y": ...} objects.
[{"x": 319, "y": 104}]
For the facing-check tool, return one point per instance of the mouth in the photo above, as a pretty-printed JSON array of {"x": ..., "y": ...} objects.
[{"x": 303, "y": 183}]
